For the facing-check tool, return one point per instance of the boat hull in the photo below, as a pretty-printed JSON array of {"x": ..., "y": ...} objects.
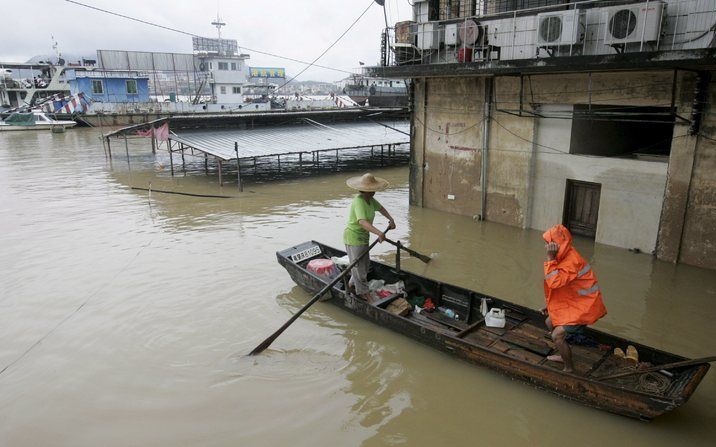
[
  {"x": 9, "y": 127},
  {"x": 588, "y": 391}
]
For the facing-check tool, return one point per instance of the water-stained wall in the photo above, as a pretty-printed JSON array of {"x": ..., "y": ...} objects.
[
  {"x": 661, "y": 206},
  {"x": 691, "y": 226}
]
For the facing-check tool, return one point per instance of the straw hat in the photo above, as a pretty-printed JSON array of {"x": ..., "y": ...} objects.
[{"x": 367, "y": 182}]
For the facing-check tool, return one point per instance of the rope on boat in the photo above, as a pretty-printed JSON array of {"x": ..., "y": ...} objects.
[{"x": 653, "y": 383}]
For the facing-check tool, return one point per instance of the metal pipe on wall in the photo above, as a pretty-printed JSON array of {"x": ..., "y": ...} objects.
[{"x": 486, "y": 117}]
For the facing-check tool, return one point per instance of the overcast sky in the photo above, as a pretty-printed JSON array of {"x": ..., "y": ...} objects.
[{"x": 300, "y": 29}]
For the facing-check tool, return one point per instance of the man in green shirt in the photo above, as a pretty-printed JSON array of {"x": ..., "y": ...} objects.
[{"x": 360, "y": 223}]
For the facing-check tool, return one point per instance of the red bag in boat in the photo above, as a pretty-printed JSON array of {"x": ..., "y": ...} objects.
[{"x": 324, "y": 268}]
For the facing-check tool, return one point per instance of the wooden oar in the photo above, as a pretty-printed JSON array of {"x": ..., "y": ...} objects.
[
  {"x": 266, "y": 343},
  {"x": 412, "y": 253},
  {"x": 660, "y": 367}
]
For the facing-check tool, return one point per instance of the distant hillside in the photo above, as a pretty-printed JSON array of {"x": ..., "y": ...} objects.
[{"x": 69, "y": 57}]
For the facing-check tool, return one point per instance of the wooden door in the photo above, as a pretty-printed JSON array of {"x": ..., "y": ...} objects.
[{"x": 581, "y": 207}]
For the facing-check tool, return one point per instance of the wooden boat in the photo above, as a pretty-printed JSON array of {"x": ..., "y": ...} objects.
[{"x": 520, "y": 349}]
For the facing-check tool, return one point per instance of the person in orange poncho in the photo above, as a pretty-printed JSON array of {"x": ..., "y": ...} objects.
[{"x": 571, "y": 292}]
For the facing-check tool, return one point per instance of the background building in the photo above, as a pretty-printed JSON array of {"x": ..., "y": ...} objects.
[{"x": 110, "y": 86}]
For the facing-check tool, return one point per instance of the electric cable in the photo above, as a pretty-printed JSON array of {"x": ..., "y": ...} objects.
[
  {"x": 196, "y": 35},
  {"x": 329, "y": 47},
  {"x": 71, "y": 314}
]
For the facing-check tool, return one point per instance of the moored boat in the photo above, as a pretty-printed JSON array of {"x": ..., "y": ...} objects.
[
  {"x": 519, "y": 349},
  {"x": 34, "y": 121}
]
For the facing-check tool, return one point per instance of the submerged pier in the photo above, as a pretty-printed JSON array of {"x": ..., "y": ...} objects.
[{"x": 265, "y": 146}]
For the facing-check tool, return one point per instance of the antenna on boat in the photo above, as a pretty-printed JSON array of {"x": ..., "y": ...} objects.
[
  {"x": 218, "y": 24},
  {"x": 56, "y": 47}
]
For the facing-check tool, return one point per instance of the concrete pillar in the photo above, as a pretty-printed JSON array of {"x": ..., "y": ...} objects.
[
  {"x": 417, "y": 151},
  {"x": 676, "y": 197}
]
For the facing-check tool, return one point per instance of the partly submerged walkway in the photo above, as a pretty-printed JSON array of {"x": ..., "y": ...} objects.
[{"x": 301, "y": 144}]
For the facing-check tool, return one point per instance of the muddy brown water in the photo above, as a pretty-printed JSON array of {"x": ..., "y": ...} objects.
[{"x": 125, "y": 318}]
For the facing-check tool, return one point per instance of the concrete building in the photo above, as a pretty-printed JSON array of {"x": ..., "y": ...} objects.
[
  {"x": 109, "y": 86},
  {"x": 595, "y": 114}
]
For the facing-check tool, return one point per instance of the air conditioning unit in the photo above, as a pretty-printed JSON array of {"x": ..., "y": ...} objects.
[
  {"x": 451, "y": 34},
  {"x": 633, "y": 23},
  {"x": 429, "y": 36},
  {"x": 560, "y": 28}
]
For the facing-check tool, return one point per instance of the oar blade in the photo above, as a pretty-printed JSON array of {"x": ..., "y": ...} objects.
[{"x": 265, "y": 344}]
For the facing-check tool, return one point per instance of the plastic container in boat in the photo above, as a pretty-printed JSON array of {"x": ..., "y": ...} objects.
[{"x": 495, "y": 318}]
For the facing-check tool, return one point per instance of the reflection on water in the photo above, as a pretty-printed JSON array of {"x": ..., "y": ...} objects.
[{"x": 178, "y": 289}]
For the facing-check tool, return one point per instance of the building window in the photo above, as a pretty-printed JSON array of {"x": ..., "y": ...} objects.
[
  {"x": 223, "y": 66},
  {"x": 233, "y": 66},
  {"x": 644, "y": 133},
  {"x": 237, "y": 90},
  {"x": 131, "y": 86},
  {"x": 211, "y": 66},
  {"x": 97, "y": 87},
  {"x": 222, "y": 89}
]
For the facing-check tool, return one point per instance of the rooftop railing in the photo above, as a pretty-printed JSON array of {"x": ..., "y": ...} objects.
[{"x": 578, "y": 29}]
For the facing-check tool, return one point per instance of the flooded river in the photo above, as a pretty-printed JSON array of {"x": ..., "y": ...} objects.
[{"x": 125, "y": 318}]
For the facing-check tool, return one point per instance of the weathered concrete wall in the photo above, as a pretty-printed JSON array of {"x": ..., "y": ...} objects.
[
  {"x": 631, "y": 190},
  {"x": 509, "y": 154},
  {"x": 681, "y": 162},
  {"x": 452, "y": 130},
  {"x": 528, "y": 160},
  {"x": 698, "y": 242}
]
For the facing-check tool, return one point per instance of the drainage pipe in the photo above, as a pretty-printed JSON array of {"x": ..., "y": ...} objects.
[{"x": 486, "y": 117}]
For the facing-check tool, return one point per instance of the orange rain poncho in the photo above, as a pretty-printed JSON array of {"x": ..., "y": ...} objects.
[{"x": 570, "y": 286}]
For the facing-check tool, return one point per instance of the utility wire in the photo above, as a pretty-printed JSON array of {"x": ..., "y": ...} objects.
[
  {"x": 77, "y": 309},
  {"x": 196, "y": 35},
  {"x": 329, "y": 47}
]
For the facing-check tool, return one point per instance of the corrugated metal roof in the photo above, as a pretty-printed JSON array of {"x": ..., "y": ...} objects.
[{"x": 267, "y": 141}]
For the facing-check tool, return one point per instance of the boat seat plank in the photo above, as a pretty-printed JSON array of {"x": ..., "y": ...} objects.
[
  {"x": 432, "y": 324},
  {"x": 525, "y": 355},
  {"x": 531, "y": 345},
  {"x": 499, "y": 330},
  {"x": 531, "y": 331},
  {"x": 590, "y": 355},
  {"x": 500, "y": 345},
  {"x": 440, "y": 318},
  {"x": 383, "y": 302},
  {"x": 481, "y": 338},
  {"x": 470, "y": 328}
]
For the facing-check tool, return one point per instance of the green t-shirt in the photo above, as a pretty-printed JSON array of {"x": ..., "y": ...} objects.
[{"x": 360, "y": 210}]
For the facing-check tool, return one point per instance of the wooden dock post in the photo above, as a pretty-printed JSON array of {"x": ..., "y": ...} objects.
[
  {"x": 171, "y": 156},
  {"x": 238, "y": 167},
  {"x": 279, "y": 163},
  {"x": 109, "y": 148},
  {"x": 154, "y": 144},
  {"x": 381, "y": 155},
  {"x": 221, "y": 180},
  {"x": 126, "y": 148},
  {"x": 206, "y": 163},
  {"x": 300, "y": 163},
  {"x": 336, "y": 160},
  {"x": 183, "y": 163}
]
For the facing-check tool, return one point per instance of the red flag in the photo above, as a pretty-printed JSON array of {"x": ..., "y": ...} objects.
[
  {"x": 146, "y": 133},
  {"x": 161, "y": 133}
]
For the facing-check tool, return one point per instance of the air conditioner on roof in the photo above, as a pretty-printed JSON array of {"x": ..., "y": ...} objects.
[
  {"x": 633, "y": 23},
  {"x": 560, "y": 28}
]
